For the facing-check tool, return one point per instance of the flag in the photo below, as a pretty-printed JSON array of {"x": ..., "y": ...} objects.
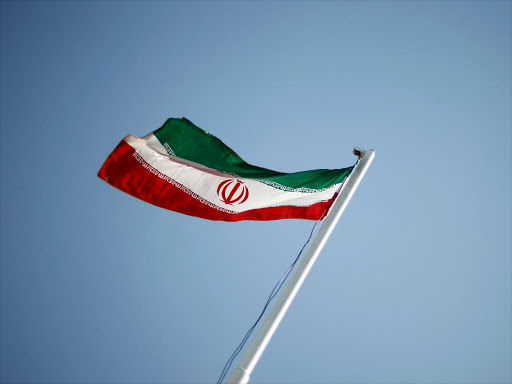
[{"x": 185, "y": 169}]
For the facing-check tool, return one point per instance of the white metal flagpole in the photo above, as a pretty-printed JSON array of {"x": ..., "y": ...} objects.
[{"x": 242, "y": 373}]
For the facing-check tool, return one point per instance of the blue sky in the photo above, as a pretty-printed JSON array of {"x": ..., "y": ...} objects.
[{"x": 414, "y": 285}]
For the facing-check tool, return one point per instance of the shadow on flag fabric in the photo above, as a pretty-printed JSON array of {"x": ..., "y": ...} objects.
[{"x": 185, "y": 169}]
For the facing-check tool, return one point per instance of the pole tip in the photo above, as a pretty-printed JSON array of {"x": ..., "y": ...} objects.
[{"x": 359, "y": 152}]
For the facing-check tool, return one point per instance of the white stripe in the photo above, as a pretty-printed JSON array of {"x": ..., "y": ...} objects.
[
  {"x": 204, "y": 182},
  {"x": 176, "y": 184}
]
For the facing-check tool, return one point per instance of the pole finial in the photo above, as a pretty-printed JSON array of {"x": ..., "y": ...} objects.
[{"x": 359, "y": 152}]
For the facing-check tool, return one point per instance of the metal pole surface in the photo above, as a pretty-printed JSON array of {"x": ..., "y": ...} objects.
[{"x": 241, "y": 374}]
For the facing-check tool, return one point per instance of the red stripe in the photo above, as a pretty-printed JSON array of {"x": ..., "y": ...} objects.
[{"x": 123, "y": 171}]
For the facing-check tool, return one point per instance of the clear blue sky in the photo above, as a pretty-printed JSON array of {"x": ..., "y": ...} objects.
[{"x": 414, "y": 285}]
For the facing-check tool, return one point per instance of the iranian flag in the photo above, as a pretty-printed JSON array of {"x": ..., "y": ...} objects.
[{"x": 185, "y": 169}]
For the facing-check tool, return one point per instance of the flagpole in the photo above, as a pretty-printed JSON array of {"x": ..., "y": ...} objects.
[{"x": 241, "y": 374}]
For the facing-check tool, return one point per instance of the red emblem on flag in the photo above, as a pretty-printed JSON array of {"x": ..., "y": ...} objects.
[{"x": 233, "y": 191}]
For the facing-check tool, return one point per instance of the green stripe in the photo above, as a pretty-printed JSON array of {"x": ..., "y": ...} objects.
[{"x": 192, "y": 143}]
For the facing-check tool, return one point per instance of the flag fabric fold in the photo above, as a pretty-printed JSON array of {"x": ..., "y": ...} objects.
[{"x": 185, "y": 169}]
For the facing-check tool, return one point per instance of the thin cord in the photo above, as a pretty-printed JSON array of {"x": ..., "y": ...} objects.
[{"x": 273, "y": 294}]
